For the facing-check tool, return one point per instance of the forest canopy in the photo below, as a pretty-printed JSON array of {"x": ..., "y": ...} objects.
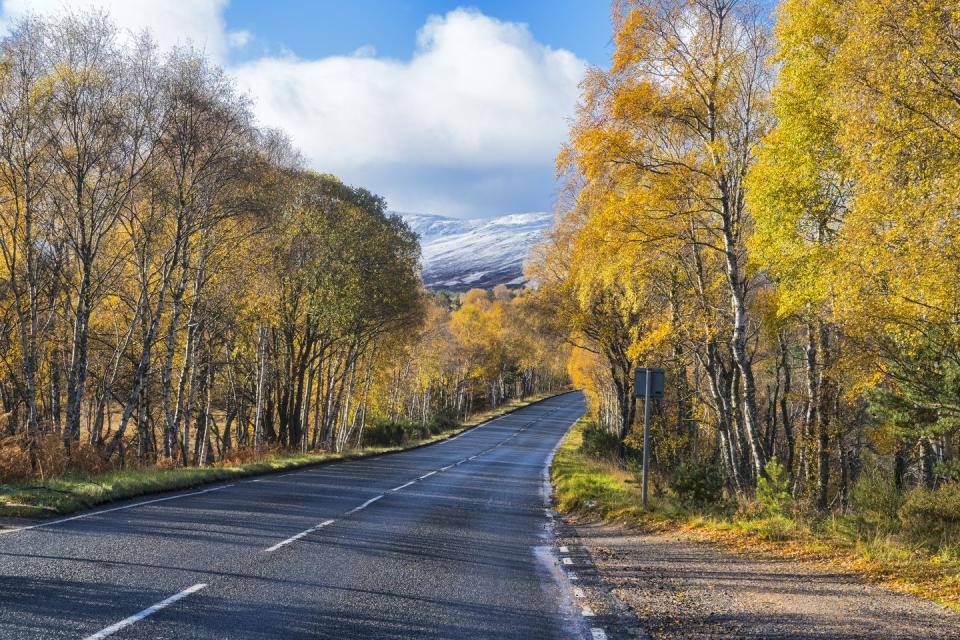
[
  {"x": 771, "y": 215},
  {"x": 176, "y": 287}
]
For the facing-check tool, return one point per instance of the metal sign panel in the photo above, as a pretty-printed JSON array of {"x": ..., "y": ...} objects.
[{"x": 656, "y": 383}]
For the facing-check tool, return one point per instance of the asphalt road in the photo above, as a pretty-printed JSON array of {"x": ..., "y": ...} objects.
[{"x": 445, "y": 541}]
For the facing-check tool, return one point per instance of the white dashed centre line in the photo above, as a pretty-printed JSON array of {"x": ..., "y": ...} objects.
[
  {"x": 426, "y": 475},
  {"x": 366, "y": 504},
  {"x": 299, "y": 535},
  {"x": 149, "y": 611},
  {"x": 403, "y": 486}
]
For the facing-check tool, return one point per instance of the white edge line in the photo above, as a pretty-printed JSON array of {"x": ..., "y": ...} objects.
[
  {"x": 103, "y": 511},
  {"x": 299, "y": 535},
  {"x": 149, "y": 611}
]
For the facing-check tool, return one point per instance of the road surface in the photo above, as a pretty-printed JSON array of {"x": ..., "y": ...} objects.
[{"x": 444, "y": 541}]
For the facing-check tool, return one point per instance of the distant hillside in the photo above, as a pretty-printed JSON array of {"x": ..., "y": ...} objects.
[{"x": 462, "y": 254}]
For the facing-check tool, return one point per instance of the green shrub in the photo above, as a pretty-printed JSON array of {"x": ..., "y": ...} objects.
[
  {"x": 387, "y": 433},
  {"x": 383, "y": 434},
  {"x": 395, "y": 433},
  {"x": 773, "y": 490},
  {"x": 948, "y": 470},
  {"x": 698, "y": 483},
  {"x": 876, "y": 500},
  {"x": 933, "y": 517},
  {"x": 443, "y": 421},
  {"x": 601, "y": 443}
]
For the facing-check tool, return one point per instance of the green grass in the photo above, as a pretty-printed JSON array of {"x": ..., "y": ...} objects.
[
  {"x": 69, "y": 493},
  {"x": 587, "y": 487}
]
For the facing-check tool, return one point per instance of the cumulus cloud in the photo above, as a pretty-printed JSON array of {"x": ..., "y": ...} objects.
[
  {"x": 469, "y": 125},
  {"x": 477, "y": 95},
  {"x": 171, "y": 22}
]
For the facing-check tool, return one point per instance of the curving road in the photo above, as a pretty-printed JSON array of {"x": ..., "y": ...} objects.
[{"x": 444, "y": 541}]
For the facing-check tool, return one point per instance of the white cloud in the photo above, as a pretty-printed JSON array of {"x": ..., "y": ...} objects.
[
  {"x": 478, "y": 94},
  {"x": 239, "y": 39},
  {"x": 366, "y": 51},
  {"x": 172, "y": 22},
  {"x": 468, "y": 126}
]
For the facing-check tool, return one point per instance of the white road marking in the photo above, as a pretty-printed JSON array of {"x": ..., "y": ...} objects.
[
  {"x": 449, "y": 466},
  {"x": 103, "y": 511},
  {"x": 598, "y": 634},
  {"x": 149, "y": 611},
  {"x": 567, "y": 561},
  {"x": 472, "y": 458},
  {"x": 403, "y": 486},
  {"x": 564, "y": 550},
  {"x": 426, "y": 475},
  {"x": 299, "y": 535},
  {"x": 366, "y": 504},
  {"x": 587, "y": 612},
  {"x": 572, "y": 576}
]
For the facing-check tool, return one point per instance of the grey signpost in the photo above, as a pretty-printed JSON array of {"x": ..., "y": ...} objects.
[{"x": 647, "y": 384}]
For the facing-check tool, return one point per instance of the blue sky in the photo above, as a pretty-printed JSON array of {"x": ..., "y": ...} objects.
[
  {"x": 442, "y": 107},
  {"x": 388, "y": 30},
  {"x": 323, "y": 28}
]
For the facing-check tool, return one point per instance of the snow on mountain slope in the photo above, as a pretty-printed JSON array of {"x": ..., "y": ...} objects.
[{"x": 462, "y": 254}]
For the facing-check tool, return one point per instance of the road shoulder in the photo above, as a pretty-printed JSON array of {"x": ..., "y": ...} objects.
[
  {"x": 667, "y": 585},
  {"x": 648, "y": 576}
]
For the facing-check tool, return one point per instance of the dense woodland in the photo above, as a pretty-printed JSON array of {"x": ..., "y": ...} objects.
[
  {"x": 177, "y": 289},
  {"x": 770, "y": 214}
]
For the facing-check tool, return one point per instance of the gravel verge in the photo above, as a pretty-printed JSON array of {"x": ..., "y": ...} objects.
[{"x": 668, "y": 586}]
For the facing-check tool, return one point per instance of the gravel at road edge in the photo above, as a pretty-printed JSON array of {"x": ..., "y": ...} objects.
[{"x": 678, "y": 588}]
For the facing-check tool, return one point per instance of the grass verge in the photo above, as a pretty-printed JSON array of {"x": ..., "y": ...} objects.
[
  {"x": 70, "y": 493},
  {"x": 585, "y": 486}
]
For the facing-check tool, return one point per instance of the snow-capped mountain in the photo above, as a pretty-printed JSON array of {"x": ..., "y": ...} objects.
[{"x": 484, "y": 252}]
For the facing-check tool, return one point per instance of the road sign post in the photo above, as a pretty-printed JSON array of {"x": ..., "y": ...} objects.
[{"x": 647, "y": 384}]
